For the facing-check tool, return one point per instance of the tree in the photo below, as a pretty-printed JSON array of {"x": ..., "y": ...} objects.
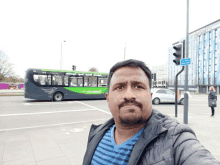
[
  {"x": 93, "y": 69},
  {"x": 6, "y": 68}
]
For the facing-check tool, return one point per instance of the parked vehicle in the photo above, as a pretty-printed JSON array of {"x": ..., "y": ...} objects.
[{"x": 165, "y": 96}]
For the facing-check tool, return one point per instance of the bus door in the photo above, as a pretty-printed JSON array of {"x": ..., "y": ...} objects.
[{"x": 75, "y": 81}]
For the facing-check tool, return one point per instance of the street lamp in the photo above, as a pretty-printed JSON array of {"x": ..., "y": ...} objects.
[
  {"x": 61, "y": 56},
  {"x": 124, "y": 51}
]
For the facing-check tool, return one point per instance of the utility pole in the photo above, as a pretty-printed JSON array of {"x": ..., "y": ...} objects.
[
  {"x": 178, "y": 54},
  {"x": 124, "y": 51},
  {"x": 61, "y": 56},
  {"x": 186, "y": 97},
  {"x": 176, "y": 86}
]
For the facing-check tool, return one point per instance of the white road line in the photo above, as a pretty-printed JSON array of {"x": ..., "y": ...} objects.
[
  {"x": 51, "y": 125},
  {"x": 94, "y": 107},
  {"x": 37, "y": 113},
  {"x": 200, "y": 104},
  {"x": 49, "y": 103}
]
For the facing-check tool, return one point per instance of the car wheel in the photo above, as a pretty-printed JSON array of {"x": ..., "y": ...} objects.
[
  {"x": 182, "y": 101},
  {"x": 58, "y": 96},
  {"x": 156, "y": 101}
]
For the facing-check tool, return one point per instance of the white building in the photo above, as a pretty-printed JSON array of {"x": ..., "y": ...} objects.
[
  {"x": 204, "y": 51},
  {"x": 159, "y": 76}
]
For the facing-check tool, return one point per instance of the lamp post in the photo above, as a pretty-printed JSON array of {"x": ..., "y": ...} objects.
[
  {"x": 186, "y": 97},
  {"x": 124, "y": 51},
  {"x": 61, "y": 56}
]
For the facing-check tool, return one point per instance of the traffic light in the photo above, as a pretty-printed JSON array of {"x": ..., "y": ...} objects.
[
  {"x": 73, "y": 67},
  {"x": 178, "y": 53}
]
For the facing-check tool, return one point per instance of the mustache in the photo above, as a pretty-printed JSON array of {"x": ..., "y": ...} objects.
[{"x": 126, "y": 102}]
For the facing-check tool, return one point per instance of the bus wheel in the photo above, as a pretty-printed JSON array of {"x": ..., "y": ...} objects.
[{"x": 58, "y": 96}]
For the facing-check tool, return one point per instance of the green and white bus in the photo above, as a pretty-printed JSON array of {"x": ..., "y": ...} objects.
[{"x": 46, "y": 84}]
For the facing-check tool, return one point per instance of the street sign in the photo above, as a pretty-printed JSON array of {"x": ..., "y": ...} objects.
[{"x": 185, "y": 61}]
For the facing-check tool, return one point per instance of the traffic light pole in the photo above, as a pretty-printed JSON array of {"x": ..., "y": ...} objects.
[
  {"x": 186, "y": 98},
  {"x": 176, "y": 85}
]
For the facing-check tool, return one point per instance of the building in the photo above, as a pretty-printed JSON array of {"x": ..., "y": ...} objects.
[
  {"x": 159, "y": 76},
  {"x": 204, "y": 51}
]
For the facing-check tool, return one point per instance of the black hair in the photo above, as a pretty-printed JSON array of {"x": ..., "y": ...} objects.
[{"x": 130, "y": 63}]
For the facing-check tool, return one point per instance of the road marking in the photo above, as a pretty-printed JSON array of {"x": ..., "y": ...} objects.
[
  {"x": 37, "y": 113},
  {"x": 190, "y": 114},
  {"x": 49, "y": 103},
  {"x": 51, "y": 125},
  {"x": 200, "y": 104},
  {"x": 94, "y": 107}
]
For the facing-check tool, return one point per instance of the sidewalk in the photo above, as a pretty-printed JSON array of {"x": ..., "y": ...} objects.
[
  {"x": 207, "y": 130},
  {"x": 11, "y": 92}
]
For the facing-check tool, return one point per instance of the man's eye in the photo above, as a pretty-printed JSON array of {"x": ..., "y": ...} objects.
[
  {"x": 138, "y": 86},
  {"x": 120, "y": 87}
]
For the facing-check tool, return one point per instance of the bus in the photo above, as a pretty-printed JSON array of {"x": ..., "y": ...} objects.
[
  {"x": 160, "y": 83},
  {"x": 56, "y": 85}
]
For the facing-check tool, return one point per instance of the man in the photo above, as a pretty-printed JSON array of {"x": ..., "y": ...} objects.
[{"x": 138, "y": 134}]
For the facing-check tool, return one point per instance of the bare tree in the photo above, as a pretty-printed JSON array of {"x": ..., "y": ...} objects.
[
  {"x": 6, "y": 68},
  {"x": 93, "y": 69}
]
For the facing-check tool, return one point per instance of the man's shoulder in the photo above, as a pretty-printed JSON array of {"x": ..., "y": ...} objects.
[
  {"x": 95, "y": 128},
  {"x": 170, "y": 124},
  {"x": 162, "y": 119}
]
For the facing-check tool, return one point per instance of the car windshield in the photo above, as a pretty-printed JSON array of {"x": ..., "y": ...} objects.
[
  {"x": 169, "y": 92},
  {"x": 153, "y": 90}
]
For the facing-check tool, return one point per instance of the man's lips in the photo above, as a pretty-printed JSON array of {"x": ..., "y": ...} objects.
[
  {"x": 129, "y": 105},
  {"x": 130, "y": 108}
]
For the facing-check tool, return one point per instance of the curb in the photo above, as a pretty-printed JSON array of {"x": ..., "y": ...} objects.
[{"x": 10, "y": 94}]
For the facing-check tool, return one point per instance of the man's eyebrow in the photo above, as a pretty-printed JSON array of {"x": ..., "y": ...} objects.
[
  {"x": 120, "y": 83},
  {"x": 137, "y": 82},
  {"x": 133, "y": 82}
]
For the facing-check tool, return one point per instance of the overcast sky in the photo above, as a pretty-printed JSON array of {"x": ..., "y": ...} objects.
[{"x": 31, "y": 32}]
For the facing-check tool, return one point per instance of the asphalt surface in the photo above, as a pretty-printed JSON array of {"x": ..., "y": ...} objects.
[{"x": 45, "y": 132}]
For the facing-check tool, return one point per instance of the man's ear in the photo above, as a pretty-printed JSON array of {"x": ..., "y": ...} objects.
[{"x": 107, "y": 96}]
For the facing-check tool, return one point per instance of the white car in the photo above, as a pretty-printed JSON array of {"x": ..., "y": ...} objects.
[{"x": 165, "y": 96}]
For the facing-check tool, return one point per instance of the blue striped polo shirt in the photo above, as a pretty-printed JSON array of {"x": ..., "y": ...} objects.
[{"x": 108, "y": 153}]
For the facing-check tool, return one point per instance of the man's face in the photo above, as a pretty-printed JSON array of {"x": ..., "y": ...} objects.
[{"x": 129, "y": 98}]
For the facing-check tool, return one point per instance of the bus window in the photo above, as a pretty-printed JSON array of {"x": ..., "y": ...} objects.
[
  {"x": 93, "y": 81},
  {"x": 48, "y": 80},
  {"x": 73, "y": 82},
  {"x": 80, "y": 81},
  {"x": 76, "y": 81},
  {"x": 57, "y": 80},
  {"x": 90, "y": 81},
  {"x": 66, "y": 81},
  {"x": 40, "y": 79},
  {"x": 102, "y": 82}
]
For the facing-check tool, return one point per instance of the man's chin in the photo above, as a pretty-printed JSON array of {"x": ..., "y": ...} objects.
[{"x": 131, "y": 121}]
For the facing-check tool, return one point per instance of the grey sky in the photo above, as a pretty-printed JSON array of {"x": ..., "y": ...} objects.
[{"x": 31, "y": 32}]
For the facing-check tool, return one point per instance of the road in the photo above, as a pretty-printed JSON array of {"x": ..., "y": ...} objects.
[
  {"x": 27, "y": 113},
  {"x": 30, "y": 129}
]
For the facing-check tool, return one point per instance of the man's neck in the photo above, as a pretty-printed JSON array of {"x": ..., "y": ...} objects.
[{"x": 123, "y": 133}]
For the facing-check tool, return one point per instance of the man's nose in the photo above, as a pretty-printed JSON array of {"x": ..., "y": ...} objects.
[{"x": 129, "y": 94}]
